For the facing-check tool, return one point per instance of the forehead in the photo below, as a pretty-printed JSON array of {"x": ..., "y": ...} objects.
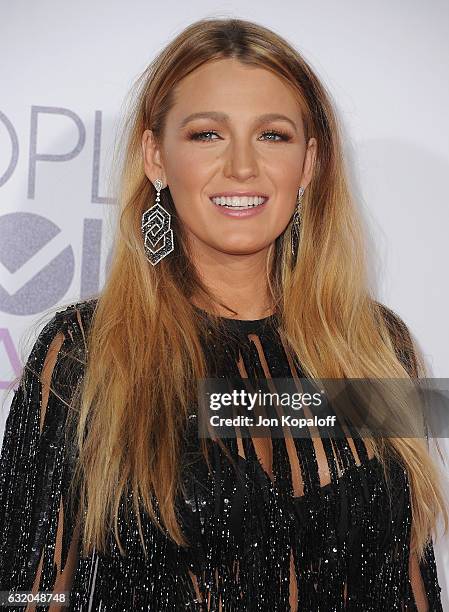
[{"x": 240, "y": 90}]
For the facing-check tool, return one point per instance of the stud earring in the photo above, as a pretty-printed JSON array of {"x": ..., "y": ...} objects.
[
  {"x": 296, "y": 222},
  {"x": 156, "y": 227}
]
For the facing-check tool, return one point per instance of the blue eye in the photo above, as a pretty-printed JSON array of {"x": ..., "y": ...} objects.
[
  {"x": 196, "y": 135},
  {"x": 283, "y": 136}
]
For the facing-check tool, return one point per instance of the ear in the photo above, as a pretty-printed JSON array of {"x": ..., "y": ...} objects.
[
  {"x": 152, "y": 161},
  {"x": 309, "y": 162}
]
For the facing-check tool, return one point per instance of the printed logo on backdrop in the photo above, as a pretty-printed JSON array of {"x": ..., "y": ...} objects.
[
  {"x": 37, "y": 270},
  {"x": 37, "y": 261}
]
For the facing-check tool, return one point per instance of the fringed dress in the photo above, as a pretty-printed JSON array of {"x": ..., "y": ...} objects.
[{"x": 301, "y": 524}]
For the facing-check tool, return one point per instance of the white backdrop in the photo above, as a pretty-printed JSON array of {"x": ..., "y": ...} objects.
[{"x": 65, "y": 72}]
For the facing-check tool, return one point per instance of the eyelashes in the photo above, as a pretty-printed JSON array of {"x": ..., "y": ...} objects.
[{"x": 284, "y": 136}]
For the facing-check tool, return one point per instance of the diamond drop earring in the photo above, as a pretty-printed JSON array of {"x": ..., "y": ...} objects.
[
  {"x": 155, "y": 227},
  {"x": 296, "y": 221}
]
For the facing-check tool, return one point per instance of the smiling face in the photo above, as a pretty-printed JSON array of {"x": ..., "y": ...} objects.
[{"x": 233, "y": 129}]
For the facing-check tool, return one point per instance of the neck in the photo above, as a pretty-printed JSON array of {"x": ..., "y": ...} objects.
[{"x": 238, "y": 281}]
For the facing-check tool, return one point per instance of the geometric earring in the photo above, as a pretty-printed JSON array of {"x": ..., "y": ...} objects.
[
  {"x": 156, "y": 228},
  {"x": 296, "y": 221}
]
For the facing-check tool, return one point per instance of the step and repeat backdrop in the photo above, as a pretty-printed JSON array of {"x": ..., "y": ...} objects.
[{"x": 65, "y": 76}]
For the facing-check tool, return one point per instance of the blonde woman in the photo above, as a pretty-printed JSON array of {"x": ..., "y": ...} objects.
[{"x": 238, "y": 252}]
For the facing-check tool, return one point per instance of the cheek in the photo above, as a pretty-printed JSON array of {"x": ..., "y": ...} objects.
[
  {"x": 279, "y": 216},
  {"x": 286, "y": 174},
  {"x": 187, "y": 176}
]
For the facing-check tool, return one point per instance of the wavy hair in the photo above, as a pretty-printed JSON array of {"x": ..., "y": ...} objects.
[{"x": 145, "y": 354}]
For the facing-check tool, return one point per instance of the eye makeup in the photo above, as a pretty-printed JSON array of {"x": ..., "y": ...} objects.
[{"x": 197, "y": 135}]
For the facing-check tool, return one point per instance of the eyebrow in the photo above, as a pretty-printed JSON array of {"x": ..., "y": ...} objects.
[{"x": 224, "y": 118}]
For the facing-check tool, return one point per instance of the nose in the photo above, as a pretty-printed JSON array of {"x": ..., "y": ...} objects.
[{"x": 241, "y": 160}]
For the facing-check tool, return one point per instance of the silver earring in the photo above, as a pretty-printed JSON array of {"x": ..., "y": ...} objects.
[
  {"x": 296, "y": 221},
  {"x": 156, "y": 227}
]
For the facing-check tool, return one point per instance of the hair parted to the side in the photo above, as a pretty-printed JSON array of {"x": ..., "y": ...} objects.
[{"x": 145, "y": 355}]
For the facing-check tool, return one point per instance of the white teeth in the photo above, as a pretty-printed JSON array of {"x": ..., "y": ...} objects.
[{"x": 238, "y": 202}]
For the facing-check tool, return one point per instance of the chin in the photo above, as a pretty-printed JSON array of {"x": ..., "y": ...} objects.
[{"x": 239, "y": 250}]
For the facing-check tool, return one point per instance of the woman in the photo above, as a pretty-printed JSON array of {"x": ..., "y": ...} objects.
[{"x": 238, "y": 253}]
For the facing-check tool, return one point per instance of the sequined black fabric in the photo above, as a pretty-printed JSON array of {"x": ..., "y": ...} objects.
[{"x": 318, "y": 532}]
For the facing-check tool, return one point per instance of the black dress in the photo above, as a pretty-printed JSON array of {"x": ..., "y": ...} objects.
[{"x": 303, "y": 524}]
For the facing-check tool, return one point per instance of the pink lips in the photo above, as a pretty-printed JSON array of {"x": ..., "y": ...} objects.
[{"x": 242, "y": 213}]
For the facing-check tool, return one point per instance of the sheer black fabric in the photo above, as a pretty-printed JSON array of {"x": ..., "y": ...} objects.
[{"x": 302, "y": 524}]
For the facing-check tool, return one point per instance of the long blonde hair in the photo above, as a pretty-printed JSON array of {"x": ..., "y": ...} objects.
[{"x": 145, "y": 355}]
